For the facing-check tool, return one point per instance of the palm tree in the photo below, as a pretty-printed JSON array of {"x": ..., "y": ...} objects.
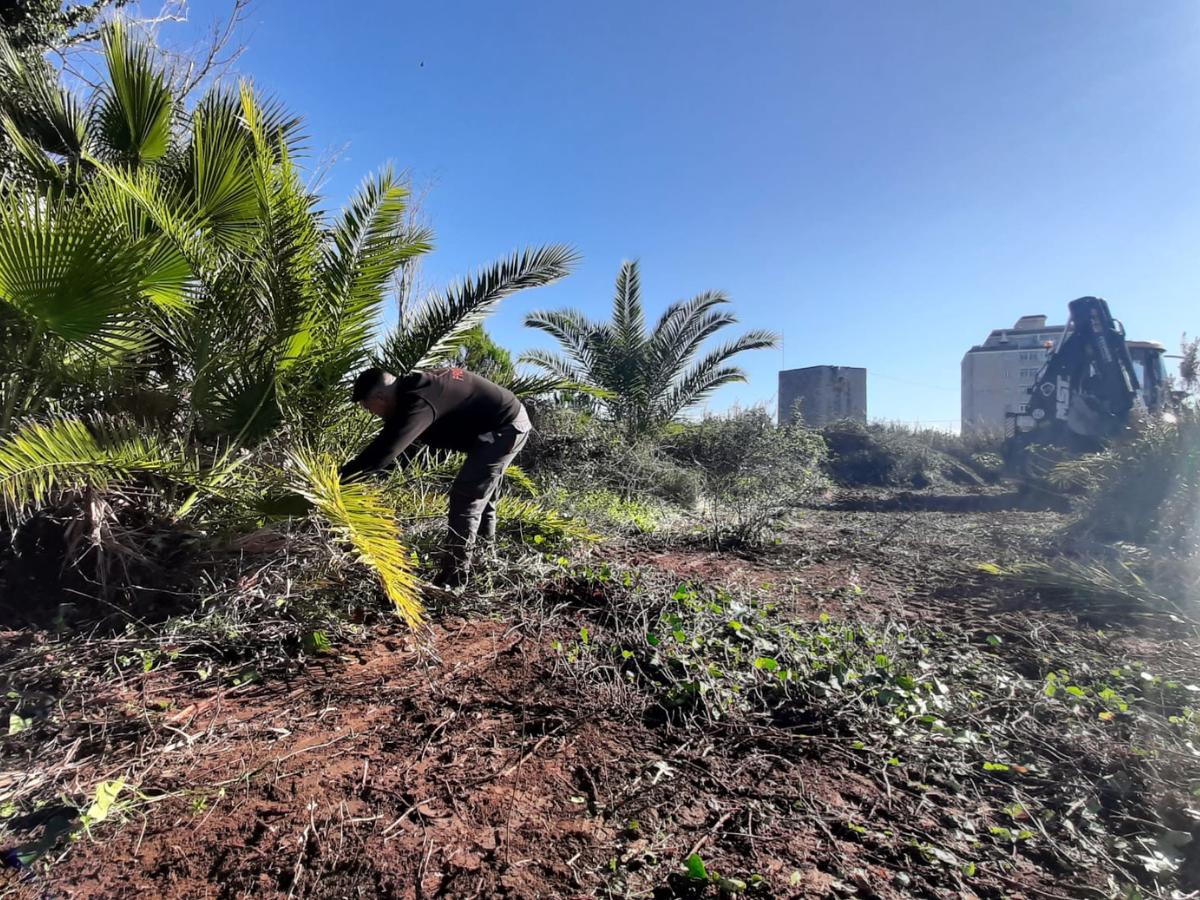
[
  {"x": 644, "y": 380},
  {"x": 172, "y": 297}
]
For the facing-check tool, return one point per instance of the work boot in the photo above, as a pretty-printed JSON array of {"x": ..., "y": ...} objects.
[{"x": 455, "y": 569}]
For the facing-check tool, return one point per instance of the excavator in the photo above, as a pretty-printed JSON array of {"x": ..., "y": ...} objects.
[{"x": 1088, "y": 389}]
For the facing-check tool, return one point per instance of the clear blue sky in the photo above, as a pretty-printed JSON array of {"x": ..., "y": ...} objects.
[{"x": 883, "y": 182}]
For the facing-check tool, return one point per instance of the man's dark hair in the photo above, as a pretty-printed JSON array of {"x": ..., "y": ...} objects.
[{"x": 366, "y": 383}]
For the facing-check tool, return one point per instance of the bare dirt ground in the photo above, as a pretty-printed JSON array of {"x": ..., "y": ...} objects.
[{"x": 479, "y": 762}]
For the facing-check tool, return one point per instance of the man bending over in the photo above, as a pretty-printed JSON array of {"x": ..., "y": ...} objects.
[{"x": 446, "y": 409}]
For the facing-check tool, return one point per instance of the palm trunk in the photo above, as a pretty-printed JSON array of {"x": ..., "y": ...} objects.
[{"x": 22, "y": 372}]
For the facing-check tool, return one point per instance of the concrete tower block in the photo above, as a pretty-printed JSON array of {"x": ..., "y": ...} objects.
[{"x": 824, "y": 393}]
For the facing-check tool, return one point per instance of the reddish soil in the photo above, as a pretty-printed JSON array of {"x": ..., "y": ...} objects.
[
  {"x": 495, "y": 770},
  {"x": 392, "y": 775}
]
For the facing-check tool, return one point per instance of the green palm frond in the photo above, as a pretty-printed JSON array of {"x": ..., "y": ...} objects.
[
  {"x": 564, "y": 385},
  {"x": 643, "y": 379},
  {"x": 684, "y": 327},
  {"x": 279, "y": 129},
  {"x": 67, "y": 268},
  {"x": 518, "y": 477},
  {"x": 441, "y": 469},
  {"x": 629, "y": 319},
  {"x": 165, "y": 275},
  {"x": 710, "y": 373},
  {"x": 220, "y": 168},
  {"x": 37, "y": 162},
  {"x": 241, "y": 401},
  {"x": 48, "y": 118},
  {"x": 136, "y": 109},
  {"x": 559, "y": 367},
  {"x": 143, "y": 204},
  {"x": 433, "y": 331},
  {"x": 698, "y": 384},
  {"x": 366, "y": 247},
  {"x": 574, "y": 333},
  {"x": 358, "y": 513},
  {"x": 528, "y": 387},
  {"x": 39, "y": 460}
]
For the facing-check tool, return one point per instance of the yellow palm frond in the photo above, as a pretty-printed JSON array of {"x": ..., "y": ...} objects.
[{"x": 359, "y": 513}]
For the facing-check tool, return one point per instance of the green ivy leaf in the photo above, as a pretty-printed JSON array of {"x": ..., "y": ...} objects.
[{"x": 696, "y": 868}]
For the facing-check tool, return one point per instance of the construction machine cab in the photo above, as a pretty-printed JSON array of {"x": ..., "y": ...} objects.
[{"x": 1089, "y": 385}]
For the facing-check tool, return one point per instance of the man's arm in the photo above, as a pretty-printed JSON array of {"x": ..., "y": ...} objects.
[{"x": 394, "y": 438}]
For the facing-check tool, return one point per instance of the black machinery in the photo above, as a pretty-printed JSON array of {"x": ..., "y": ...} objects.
[{"x": 1089, "y": 386}]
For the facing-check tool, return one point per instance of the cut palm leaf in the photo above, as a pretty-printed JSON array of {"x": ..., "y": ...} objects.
[{"x": 359, "y": 514}]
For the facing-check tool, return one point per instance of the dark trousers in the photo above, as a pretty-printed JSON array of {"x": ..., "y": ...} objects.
[{"x": 475, "y": 491}]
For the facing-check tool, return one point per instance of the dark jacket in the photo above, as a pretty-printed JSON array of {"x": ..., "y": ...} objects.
[{"x": 447, "y": 409}]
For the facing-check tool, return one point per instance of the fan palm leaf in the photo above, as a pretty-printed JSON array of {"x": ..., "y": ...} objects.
[
  {"x": 136, "y": 109},
  {"x": 219, "y": 168},
  {"x": 66, "y": 267},
  {"x": 40, "y": 116},
  {"x": 165, "y": 276}
]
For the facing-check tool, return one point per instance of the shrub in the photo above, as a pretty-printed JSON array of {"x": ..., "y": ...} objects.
[
  {"x": 1144, "y": 489},
  {"x": 899, "y": 456},
  {"x": 575, "y": 451},
  {"x": 753, "y": 471}
]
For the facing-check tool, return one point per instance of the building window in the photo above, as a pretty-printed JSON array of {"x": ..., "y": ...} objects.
[{"x": 1028, "y": 374}]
